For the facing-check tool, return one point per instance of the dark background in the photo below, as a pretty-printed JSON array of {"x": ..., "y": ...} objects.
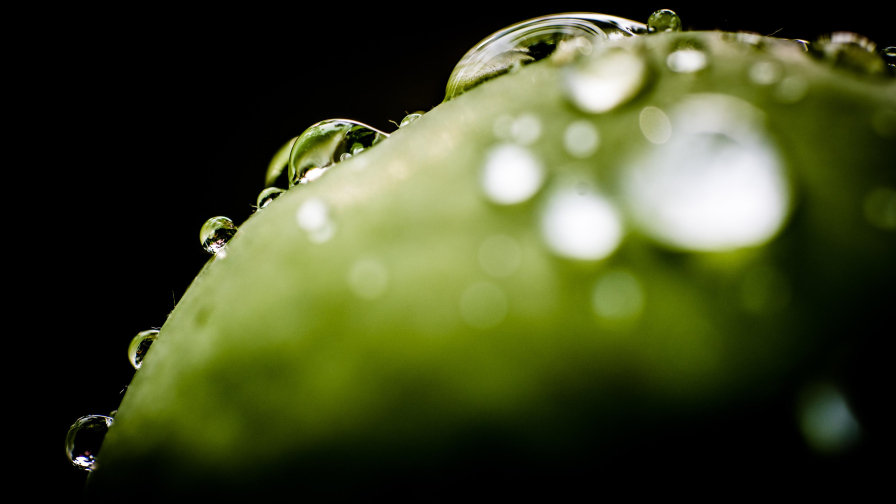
[{"x": 132, "y": 128}]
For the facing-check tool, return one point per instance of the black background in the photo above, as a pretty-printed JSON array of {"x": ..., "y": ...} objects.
[{"x": 130, "y": 129}]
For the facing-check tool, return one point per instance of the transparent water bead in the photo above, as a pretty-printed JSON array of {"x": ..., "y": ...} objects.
[
  {"x": 215, "y": 233},
  {"x": 140, "y": 345},
  {"x": 826, "y": 420},
  {"x": 530, "y": 41},
  {"x": 84, "y": 439},
  {"x": 663, "y": 20},
  {"x": 579, "y": 223},
  {"x": 605, "y": 80},
  {"x": 408, "y": 119},
  {"x": 278, "y": 163},
  {"x": 325, "y": 143},
  {"x": 511, "y": 174},
  {"x": 717, "y": 184},
  {"x": 850, "y": 51},
  {"x": 268, "y": 195}
]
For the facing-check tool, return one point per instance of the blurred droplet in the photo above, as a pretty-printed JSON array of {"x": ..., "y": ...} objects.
[
  {"x": 880, "y": 208},
  {"x": 850, "y": 51},
  {"x": 617, "y": 295},
  {"x": 525, "y": 129},
  {"x": 215, "y": 233},
  {"x": 323, "y": 145},
  {"x": 605, "y": 80},
  {"x": 655, "y": 125},
  {"x": 765, "y": 73},
  {"x": 687, "y": 60},
  {"x": 483, "y": 305},
  {"x": 826, "y": 420},
  {"x": 500, "y": 256},
  {"x": 268, "y": 195},
  {"x": 313, "y": 216},
  {"x": 512, "y": 174},
  {"x": 792, "y": 89},
  {"x": 663, "y": 20},
  {"x": 581, "y": 139},
  {"x": 408, "y": 119},
  {"x": 570, "y": 49},
  {"x": 140, "y": 345},
  {"x": 278, "y": 163},
  {"x": 579, "y": 223},
  {"x": 368, "y": 278},
  {"x": 84, "y": 439}
]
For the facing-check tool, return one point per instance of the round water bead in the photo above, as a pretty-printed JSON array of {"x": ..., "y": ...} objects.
[
  {"x": 850, "y": 51},
  {"x": 605, "y": 80},
  {"x": 139, "y": 346},
  {"x": 278, "y": 163},
  {"x": 268, "y": 195},
  {"x": 84, "y": 439},
  {"x": 325, "y": 143},
  {"x": 408, "y": 119},
  {"x": 507, "y": 50},
  {"x": 215, "y": 233},
  {"x": 663, "y": 20}
]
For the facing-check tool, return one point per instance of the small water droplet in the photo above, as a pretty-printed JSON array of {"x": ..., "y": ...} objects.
[
  {"x": 889, "y": 55},
  {"x": 525, "y": 129},
  {"x": 655, "y": 125},
  {"x": 686, "y": 60},
  {"x": 278, "y": 163},
  {"x": 520, "y": 44},
  {"x": 747, "y": 38},
  {"x": 605, "y": 80},
  {"x": 663, "y": 20},
  {"x": 84, "y": 439},
  {"x": 314, "y": 217},
  {"x": 850, "y": 51},
  {"x": 581, "y": 139},
  {"x": 827, "y": 422},
  {"x": 880, "y": 208},
  {"x": 483, "y": 305},
  {"x": 617, "y": 295},
  {"x": 792, "y": 89},
  {"x": 511, "y": 175},
  {"x": 766, "y": 73},
  {"x": 268, "y": 195},
  {"x": 323, "y": 145},
  {"x": 368, "y": 278},
  {"x": 215, "y": 233},
  {"x": 408, "y": 119},
  {"x": 579, "y": 223},
  {"x": 500, "y": 256},
  {"x": 803, "y": 44},
  {"x": 140, "y": 345}
]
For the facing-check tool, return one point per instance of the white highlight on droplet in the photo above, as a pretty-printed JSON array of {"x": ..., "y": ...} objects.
[
  {"x": 314, "y": 217},
  {"x": 827, "y": 423},
  {"x": 617, "y": 295},
  {"x": 605, "y": 81},
  {"x": 717, "y": 185},
  {"x": 500, "y": 255},
  {"x": 368, "y": 278},
  {"x": 686, "y": 61},
  {"x": 580, "y": 224},
  {"x": 655, "y": 125},
  {"x": 512, "y": 174},
  {"x": 483, "y": 305},
  {"x": 525, "y": 129},
  {"x": 765, "y": 73},
  {"x": 581, "y": 139},
  {"x": 791, "y": 90}
]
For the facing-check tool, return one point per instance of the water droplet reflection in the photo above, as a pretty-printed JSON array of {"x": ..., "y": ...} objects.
[
  {"x": 791, "y": 90},
  {"x": 655, "y": 125},
  {"x": 687, "y": 60},
  {"x": 483, "y": 305},
  {"x": 525, "y": 129},
  {"x": 408, "y": 119},
  {"x": 268, "y": 195},
  {"x": 278, "y": 163},
  {"x": 605, "y": 80},
  {"x": 140, "y": 345},
  {"x": 313, "y": 216},
  {"x": 581, "y": 139},
  {"x": 579, "y": 223},
  {"x": 512, "y": 174},
  {"x": 826, "y": 420},
  {"x": 215, "y": 233},
  {"x": 765, "y": 73},
  {"x": 327, "y": 143},
  {"x": 84, "y": 439},
  {"x": 617, "y": 295},
  {"x": 663, "y": 20},
  {"x": 850, "y": 51}
]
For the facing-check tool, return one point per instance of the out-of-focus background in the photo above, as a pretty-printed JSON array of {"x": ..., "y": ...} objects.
[{"x": 139, "y": 125}]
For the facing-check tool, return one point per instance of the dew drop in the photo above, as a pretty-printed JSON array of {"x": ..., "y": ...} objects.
[
  {"x": 687, "y": 60},
  {"x": 655, "y": 125},
  {"x": 581, "y": 139},
  {"x": 663, "y": 20},
  {"x": 483, "y": 305},
  {"x": 215, "y": 233},
  {"x": 765, "y": 73},
  {"x": 826, "y": 420},
  {"x": 526, "y": 42},
  {"x": 617, "y": 295},
  {"x": 268, "y": 195},
  {"x": 850, "y": 51},
  {"x": 605, "y": 80},
  {"x": 500, "y": 256},
  {"x": 278, "y": 163},
  {"x": 792, "y": 89},
  {"x": 511, "y": 175},
  {"x": 717, "y": 184},
  {"x": 880, "y": 208},
  {"x": 525, "y": 129},
  {"x": 140, "y": 345},
  {"x": 84, "y": 439},
  {"x": 889, "y": 55},
  {"x": 368, "y": 278},
  {"x": 578, "y": 223},
  {"x": 323, "y": 145},
  {"x": 408, "y": 119},
  {"x": 313, "y": 216}
]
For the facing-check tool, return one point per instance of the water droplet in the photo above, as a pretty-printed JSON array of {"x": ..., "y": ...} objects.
[
  {"x": 368, "y": 278},
  {"x": 323, "y": 145},
  {"x": 278, "y": 163},
  {"x": 884, "y": 123},
  {"x": 483, "y": 305},
  {"x": 113, "y": 413},
  {"x": 512, "y": 174},
  {"x": 850, "y": 51},
  {"x": 268, "y": 195},
  {"x": 84, "y": 439},
  {"x": 687, "y": 60},
  {"x": 717, "y": 184},
  {"x": 617, "y": 295},
  {"x": 889, "y": 55},
  {"x": 525, "y": 129},
  {"x": 792, "y": 89},
  {"x": 500, "y": 256},
  {"x": 748, "y": 38},
  {"x": 570, "y": 49},
  {"x": 140, "y": 345},
  {"x": 663, "y": 20},
  {"x": 530, "y": 41},
  {"x": 827, "y": 421},
  {"x": 880, "y": 208},
  {"x": 765, "y": 73},
  {"x": 314, "y": 217},
  {"x": 408, "y": 119},
  {"x": 215, "y": 233},
  {"x": 605, "y": 80},
  {"x": 579, "y": 223},
  {"x": 803, "y": 44},
  {"x": 655, "y": 125},
  {"x": 581, "y": 139}
]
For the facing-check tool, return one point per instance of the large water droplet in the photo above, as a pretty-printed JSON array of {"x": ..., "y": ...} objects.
[
  {"x": 483, "y": 305},
  {"x": 663, "y": 20},
  {"x": 827, "y": 421},
  {"x": 579, "y": 223},
  {"x": 140, "y": 345},
  {"x": 530, "y": 41},
  {"x": 408, "y": 119},
  {"x": 268, "y": 195},
  {"x": 84, "y": 439},
  {"x": 850, "y": 51},
  {"x": 512, "y": 174},
  {"x": 278, "y": 163},
  {"x": 581, "y": 139},
  {"x": 215, "y": 233},
  {"x": 327, "y": 143},
  {"x": 605, "y": 80},
  {"x": 717, "y": 184}
]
